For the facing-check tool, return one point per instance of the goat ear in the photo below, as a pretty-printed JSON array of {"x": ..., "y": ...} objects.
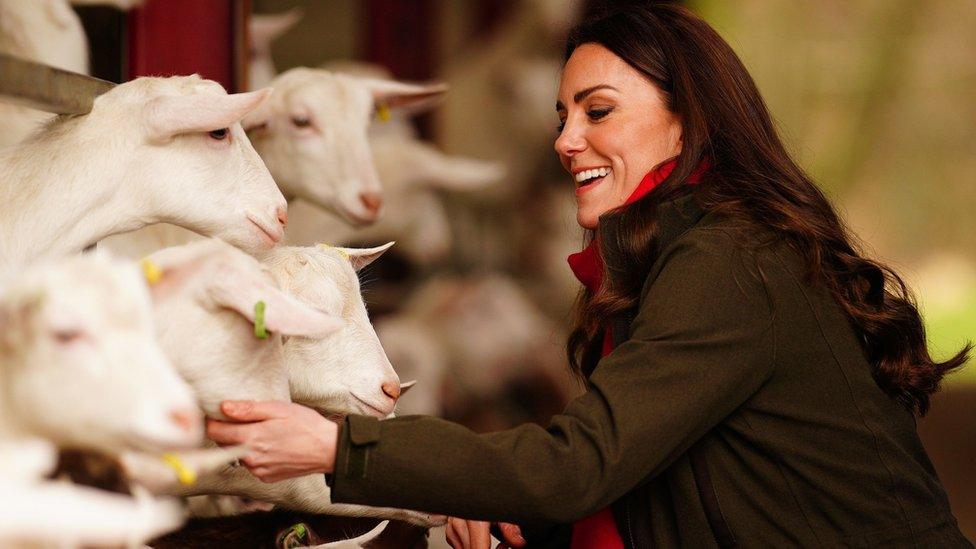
[
  {"x": 412, "y": 98},
  {"x": 405, "y": 386},
  {"x": 168, "y": 269},
  {"x": 169, "y": 116},
  {"x": 360, "y": 257},
  {"x": 258, "y": 118},
  {"x": 241, "y": 291},
  {"x": 266, "y": 28},
  {"x": 443, "y": 171}
]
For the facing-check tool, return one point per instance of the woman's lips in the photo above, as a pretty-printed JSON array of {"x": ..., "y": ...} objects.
[{"x": 585, "y": 188}]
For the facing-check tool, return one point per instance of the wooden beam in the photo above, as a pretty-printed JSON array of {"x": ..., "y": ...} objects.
[{"x": 46, "y": 88}]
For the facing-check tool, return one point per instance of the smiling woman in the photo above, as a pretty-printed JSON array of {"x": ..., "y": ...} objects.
[
  {"x": 614, "y": 128},
  {"x": 752, "y": 379}
]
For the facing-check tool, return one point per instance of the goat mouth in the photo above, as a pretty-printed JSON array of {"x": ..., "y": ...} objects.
[
  {"x": 358, "y": 219},
  {"x": 373, "y": 410},
  {"x": 332, "y": 415},
  {"x": 272, "y": 237}
]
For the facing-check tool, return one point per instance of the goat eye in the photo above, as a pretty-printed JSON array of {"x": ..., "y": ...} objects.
[
  {"x": 67, "y": 336},
  {"x": 220, "y": 134},
  {"x": 301, "y": 121}
]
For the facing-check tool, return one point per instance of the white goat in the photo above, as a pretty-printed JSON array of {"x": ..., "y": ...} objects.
[
  {"x": 79, "y": 362},
  {"x": 413, "y": 173},
  {"x": 45, "y": 31},
  {"x": 312, "y": 136},
  {"x": 206, "y": 298},
  {"x": 265, "y": 28},
  {"x": 151, "y": 150},
  {"x": 205, "y": 310},
  {"x": 347, "y": 371},
  {"x": 80, "y": 366},
  {"x": 512, "y": 79},
  {"x": 34, "y": 511},
  {"x": 417, "y": 353},
  {"x": 485, "y": 331}
]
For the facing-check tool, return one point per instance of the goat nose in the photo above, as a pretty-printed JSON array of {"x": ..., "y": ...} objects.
[
  {"x": 282, "y": 216},
  {"x": 371, "y": 200},
  {"x": 391, "y": 389},
  {"x": 186, "y": 419}
]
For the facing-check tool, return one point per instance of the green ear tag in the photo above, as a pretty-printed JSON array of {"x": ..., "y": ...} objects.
[
  {"x": 295, "y": 536},
  {"x": 260, "y": 331}
]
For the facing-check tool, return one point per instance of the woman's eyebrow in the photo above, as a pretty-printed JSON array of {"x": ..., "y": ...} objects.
[{"x": 581, "y": 95}]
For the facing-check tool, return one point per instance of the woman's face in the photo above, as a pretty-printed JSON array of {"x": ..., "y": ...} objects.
[{"x": 614, "y": 130}]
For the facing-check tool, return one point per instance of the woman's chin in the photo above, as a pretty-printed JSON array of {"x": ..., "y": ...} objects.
[{"x": 587, "y": 220}]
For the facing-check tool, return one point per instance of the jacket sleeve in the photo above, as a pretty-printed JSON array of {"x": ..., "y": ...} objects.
[{"x": 700, "y": 346}]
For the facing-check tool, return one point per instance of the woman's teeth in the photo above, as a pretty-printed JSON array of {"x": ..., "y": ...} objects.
[{"x": 585, "y": 175}]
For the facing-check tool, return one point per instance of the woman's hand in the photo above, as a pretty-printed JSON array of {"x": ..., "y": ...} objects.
[
  {"x": 474, "y": 534},
  {"x": 285, "y": 439}
]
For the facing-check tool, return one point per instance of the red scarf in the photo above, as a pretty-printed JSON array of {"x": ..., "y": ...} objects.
[{"x": 599, "y": 531}]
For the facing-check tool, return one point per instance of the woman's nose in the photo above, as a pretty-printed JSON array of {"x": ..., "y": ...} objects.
[{"x": 569, "y": 142}]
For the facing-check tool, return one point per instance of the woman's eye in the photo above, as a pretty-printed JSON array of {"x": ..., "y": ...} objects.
[
  {"x": 561, "y": 126},
  {"x": 220, "y": 134},
  {"x": 596, "y": 114},
  {"x": 301, "y": 121}
]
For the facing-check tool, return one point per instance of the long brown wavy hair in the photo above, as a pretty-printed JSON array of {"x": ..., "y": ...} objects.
[{"x": 751, "y": 179}]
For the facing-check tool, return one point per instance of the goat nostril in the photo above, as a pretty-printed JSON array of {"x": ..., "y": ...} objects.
[
  {"x": 372, "y": 201},
  {"x": 391, "y": 389},
  {"x": 283, "y": 216},
  {"x": 185, "y": 419}
]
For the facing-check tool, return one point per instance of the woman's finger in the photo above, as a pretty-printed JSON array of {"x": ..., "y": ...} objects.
[
  {"x": 255, "y": 410},
  {"x": 478, "y": 535},
  {"x": 226, "y": 434},
  {"x": 457, "y": 530},
  {"x": 451, "y": 536},
  {"x": 512, "y": 534}
]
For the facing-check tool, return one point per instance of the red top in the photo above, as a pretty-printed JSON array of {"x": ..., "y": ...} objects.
[{"x": 599, "y": 531}]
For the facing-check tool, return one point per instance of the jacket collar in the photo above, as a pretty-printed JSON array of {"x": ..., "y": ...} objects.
[{"x": 675, "y": 217}]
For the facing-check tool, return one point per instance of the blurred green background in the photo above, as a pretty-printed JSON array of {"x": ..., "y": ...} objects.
[{"x": 878, "y": 100}]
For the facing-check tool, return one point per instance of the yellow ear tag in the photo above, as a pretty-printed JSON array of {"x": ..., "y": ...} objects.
[
  {"x": 383, "y": 112},
  {"x": 151, "y": 271},
  {"x": 184, "y": 474},
  {"x": 340, "y": 251}
]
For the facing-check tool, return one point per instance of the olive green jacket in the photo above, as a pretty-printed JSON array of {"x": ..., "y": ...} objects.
[{"x": 740, "y": 411}]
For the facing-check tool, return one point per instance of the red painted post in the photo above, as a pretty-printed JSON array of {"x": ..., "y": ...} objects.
[
  {"x": 174, "y": 37},
  {"x": 400, "y": 36}
]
